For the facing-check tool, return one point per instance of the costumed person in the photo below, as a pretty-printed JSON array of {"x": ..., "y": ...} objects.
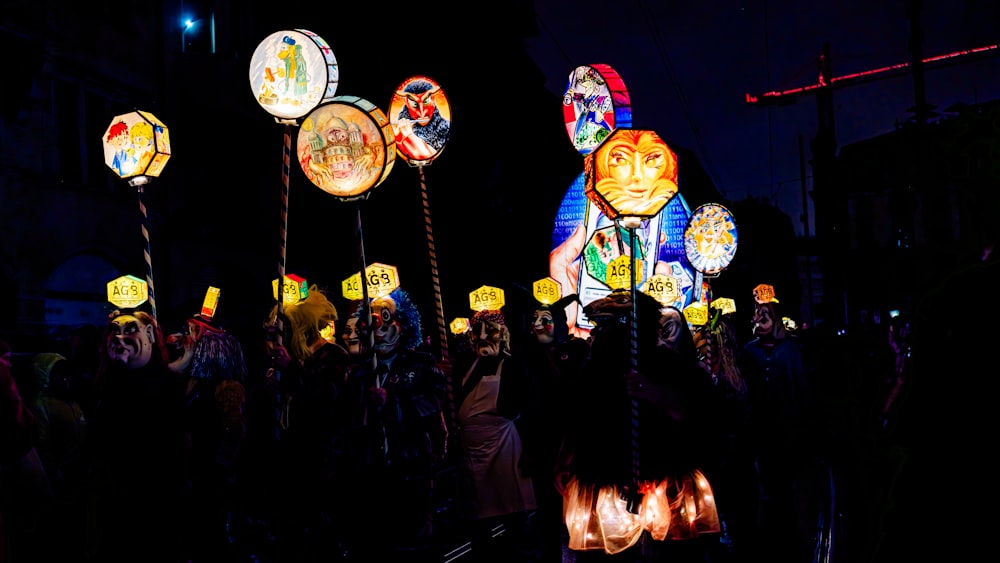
[
  {"x": 354, "y": 333},
  {"x": 660, "y": 504},
  {"x": 492, "y": 392},
  {"x": 404, "y": 436},
  {"x": 553, "y": 359},
  {"x": 61, "y": 430},
  {"x": 736, "y": 482},
  {"x": 317, "y": 426},
  {"x": 215, "y": 426},
  {"x": 136, "y": 438},
  {"x": 784, "y": 437}
]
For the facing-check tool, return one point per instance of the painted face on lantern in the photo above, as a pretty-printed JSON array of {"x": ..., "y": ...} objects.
[
  {"x": 543, "y": 326},
  {"x": 388, "y": 330},
  {"x": 670, "y": 328},
  {"x": 763, "y": 319},
  {"x": 130, "y": 342},
  {"x": 489, "y": 337},
  {"x": 421, "y": 105}
]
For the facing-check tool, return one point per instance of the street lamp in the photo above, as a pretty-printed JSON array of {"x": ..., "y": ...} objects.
[{"x": 188, "y": 24}]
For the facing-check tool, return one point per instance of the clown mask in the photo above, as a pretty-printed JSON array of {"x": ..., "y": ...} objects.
[
  {"x": 388, "y": 330},
  {"x": 130, "y": 341},
  {"x": 543, "y": 326}
]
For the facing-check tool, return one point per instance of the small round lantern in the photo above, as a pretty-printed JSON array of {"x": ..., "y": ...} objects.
[
  {"x": 346, "y": 147},
  {"x": 136, "y": 147},
  {"x": 292, "y": 72},
  {"x": 710, "y": 239}
]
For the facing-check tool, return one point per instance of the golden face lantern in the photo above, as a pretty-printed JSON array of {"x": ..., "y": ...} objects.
[
  {"x": 631, "y": 175},
  {"x": 421, "y": 120},
  {"x": 346, "y": 147},
  {"x": 292, "y": 72},
  {"x": 136, "y": 147}
]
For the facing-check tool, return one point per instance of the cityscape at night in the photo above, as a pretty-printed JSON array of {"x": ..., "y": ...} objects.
[{"x": 853, "y": 151}]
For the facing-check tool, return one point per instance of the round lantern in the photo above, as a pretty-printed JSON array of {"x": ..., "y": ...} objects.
[
  {"x": 632, "y": 174},
  {"x": 595, "y": 104},
  {"x": 421, "y": 120},
  {"x": 346, "y": 147},
  {"x": 710, "y": 238},
  {"x": 292, "y": 72},
  {"x": 136, "y": 146}
]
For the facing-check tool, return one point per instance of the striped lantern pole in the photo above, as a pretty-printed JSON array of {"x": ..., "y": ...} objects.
[
  {"x": 286, "y": 158},
  {"x": 634, "y": 364},
  {"x": 146, "y": 252}
]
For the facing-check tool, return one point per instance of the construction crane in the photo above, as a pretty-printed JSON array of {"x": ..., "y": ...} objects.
[{"x": 830, "y": 208}]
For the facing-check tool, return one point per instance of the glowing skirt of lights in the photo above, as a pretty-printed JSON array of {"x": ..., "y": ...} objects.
[{"x": 672, "y": 509}]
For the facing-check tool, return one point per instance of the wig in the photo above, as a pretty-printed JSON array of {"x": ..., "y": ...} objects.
[
  {"x": 305, "y": 321},
  {"x": 218, "y": 355},
  {"x": 408, "y": 317}
]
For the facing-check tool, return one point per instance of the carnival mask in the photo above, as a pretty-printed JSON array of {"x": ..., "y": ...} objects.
[
  {"x": 130, "y": 341},
  {"x": 489, "y": 334},
  {"x": 670, "y": 328},
  {"x": 543, "y": 326},
  {"x": 388, "y": 330}
]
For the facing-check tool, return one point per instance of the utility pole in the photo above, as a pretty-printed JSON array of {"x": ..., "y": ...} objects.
[{"x": 829, "y": 202}]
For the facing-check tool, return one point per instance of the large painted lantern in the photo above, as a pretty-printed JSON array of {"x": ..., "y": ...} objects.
[
  {"x": 136, "y": 147},
  {"x": 292, "y": 72},
  {"x": 595, "y": 104},
  {"x": 631, "y": 175},
  {"x": 421, "y": 120},
  {"x": 346, "y": 147}
]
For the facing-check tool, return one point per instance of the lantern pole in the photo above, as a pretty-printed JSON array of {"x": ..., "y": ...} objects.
[
  {"x": 633, "y": 499},
  {"x": 438, "y": 302},
  {"x": 366, "y": 306},
  {"x": 139, "y": 183},
  {"x": 286, "y": 157}
]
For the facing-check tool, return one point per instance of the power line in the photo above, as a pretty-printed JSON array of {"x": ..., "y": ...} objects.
[{"x": 665, "y": 61}]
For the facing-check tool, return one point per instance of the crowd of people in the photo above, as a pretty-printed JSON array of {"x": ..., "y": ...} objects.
[{"x": 346, "y": 437}]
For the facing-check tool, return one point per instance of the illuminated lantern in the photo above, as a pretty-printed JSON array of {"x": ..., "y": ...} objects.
[
  {"x": 619, "y": 273},
  {"x": 136, "y": 147},
  {"x": 764, "y": 293},
  {"x": 632, "y": 175},
  {"x": 662, "y": 288},
  {"x": 595, "y": 104},
  {"x": 460, "y": 325},
  {"x": 710, "y": 239},
  {"x": 293, "y": 289},
  {"x": 211, "y": 302},
  {"x": 421, "y": 120},
  {"x": 127, "y": 292},
  {"x": 292, "y": 72},
  {"x": 382, "y": 280},
  {"x": 346, "y": 147},
  {"x": 487, "y": 298},
  {"x": 725, "y": 305},
  {"x": 546, "y": 291}
]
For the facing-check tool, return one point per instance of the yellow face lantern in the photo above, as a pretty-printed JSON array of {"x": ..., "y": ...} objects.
[{"x": 632, "y": 174}]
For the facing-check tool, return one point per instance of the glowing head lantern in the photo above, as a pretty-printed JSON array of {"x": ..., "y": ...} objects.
[
  {"x": 595, "y": 104},
  {"x": 292, "y": 72},
  {"x": 421, "y": 120},
  {"x": 346, "y": 147},
  {"x": 136, "y": 147},
  {"x": 632, "y": 174}
]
